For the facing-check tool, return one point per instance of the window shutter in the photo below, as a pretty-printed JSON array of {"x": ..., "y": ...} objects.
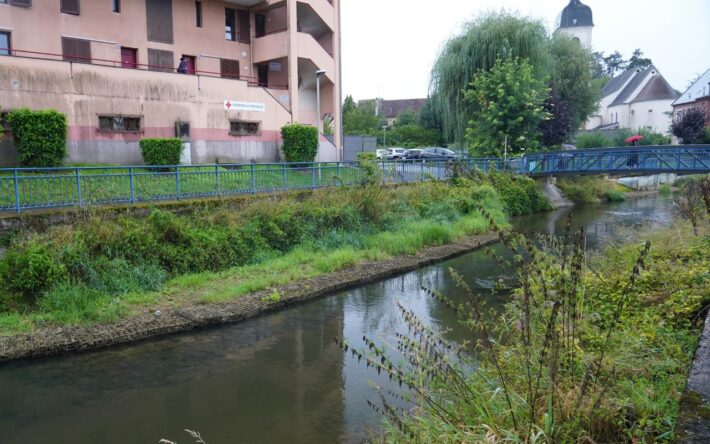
[
  {"x": 83, "y": 51},
  {"x": 69, "y": 6},
  {"x": 160, "y": 60},
  {"x": 159, "y": 15},
  {"x": 27, "y": 3},
  {"x": 244, "y": 31},
  {"x": 229, "y": 69},
  {"x": 76, "y": 50}
]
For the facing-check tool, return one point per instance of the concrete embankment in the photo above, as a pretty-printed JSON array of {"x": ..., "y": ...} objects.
[
  {"x": 57, "y": 341},
  {"x": 694, "y": 420}
]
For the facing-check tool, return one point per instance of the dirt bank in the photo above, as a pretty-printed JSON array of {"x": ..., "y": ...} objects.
[{"x": 57, "y": 341}]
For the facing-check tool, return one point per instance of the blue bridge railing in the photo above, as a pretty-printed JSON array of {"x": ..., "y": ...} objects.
[{"x": 33, "y": 188}]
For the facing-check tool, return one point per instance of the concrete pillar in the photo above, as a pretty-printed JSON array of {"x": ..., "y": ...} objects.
[
  {"x": 292, "y": 17},
  {"x": 551, "y": 180},
  {"x": 337, "y": 93}
]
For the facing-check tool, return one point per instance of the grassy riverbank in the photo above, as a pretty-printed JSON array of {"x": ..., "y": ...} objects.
[
  {"x": 590, "y": 190},
  {"x": 584, "y": 352},
  {"x": 105, "y": 269}
]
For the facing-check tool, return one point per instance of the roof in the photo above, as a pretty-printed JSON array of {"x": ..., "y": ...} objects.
[
  {"x": 576, "y": 15},
  {"x": 617, "y": 82},
  {"x": 393, "y": 108},
  {"x": 700, "y": 88},
  {"x": 638, "y": 77},
  {"x": 656, "y": 89}
]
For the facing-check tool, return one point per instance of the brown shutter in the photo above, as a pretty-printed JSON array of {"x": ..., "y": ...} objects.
[
  {"x": 69, "y": 6},
  {"x": 229, "y": 69},
  {"x": 76, "y": 50},
  {"x": 244, "y": 23},
  {"x": 159, "y": 15},
  {"x": 27, "y": 3},
  {"x": 160, "y": 60}
]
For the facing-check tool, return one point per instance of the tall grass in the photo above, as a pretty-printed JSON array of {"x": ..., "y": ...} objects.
[{"x": 583, "y": 352}]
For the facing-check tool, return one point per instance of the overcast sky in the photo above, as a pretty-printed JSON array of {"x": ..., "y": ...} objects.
[{"x": 389, "y": 46}]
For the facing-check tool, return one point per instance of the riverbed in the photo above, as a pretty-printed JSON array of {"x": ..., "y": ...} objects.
[{"x": 277, "y": 378}]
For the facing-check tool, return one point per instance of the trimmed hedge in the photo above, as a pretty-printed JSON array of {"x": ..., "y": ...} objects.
[
  {"x": 40, "y": 137},
  {"x": 161, "y": 151},
  {"x": 300, "y": 143}
]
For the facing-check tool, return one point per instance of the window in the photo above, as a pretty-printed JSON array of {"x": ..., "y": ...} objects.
[
  {"x": 159, "y": 17},
  {"x": 198, "y": 14},
  {"x": 69, "y": 6},
  {"x": 229, "y": 31},
  {"x": 159, "y": 60},
  {"x": 27, "y": 3},
  {"x": 229, "y": 69},
  {"x": 260, "y": 25},
  {"x": 5, "y": 48},
  {"x": 76, "y": 50},
  {"x": 119, "y": 124},
  {"x": 243, "y": 35},
  {"x": 116, "y": 6},
  {"x": 243, "y": 128}
]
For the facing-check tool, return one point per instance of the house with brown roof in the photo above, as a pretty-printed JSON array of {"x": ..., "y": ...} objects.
[
  {"x": 695, "y": 97},
  {"x": 637, "y": 98},
  {"x": 390, "y": 109}
]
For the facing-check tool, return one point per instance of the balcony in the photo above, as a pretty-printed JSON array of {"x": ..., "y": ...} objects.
[
  {"x": 275, "y": 46},
  {"x": 324, "y": 9}
]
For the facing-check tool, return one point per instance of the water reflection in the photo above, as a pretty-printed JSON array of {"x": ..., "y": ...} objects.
[{"x": 278, "y": 378}]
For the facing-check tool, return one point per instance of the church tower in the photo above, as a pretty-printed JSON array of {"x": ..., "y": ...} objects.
[{"x": 576, "y": 21}]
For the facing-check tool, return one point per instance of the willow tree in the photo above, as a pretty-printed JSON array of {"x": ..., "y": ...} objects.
[{"x": 483, "y": 41}]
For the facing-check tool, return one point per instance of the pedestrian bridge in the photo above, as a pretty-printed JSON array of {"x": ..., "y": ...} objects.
[{"x": 684, "y": 159}]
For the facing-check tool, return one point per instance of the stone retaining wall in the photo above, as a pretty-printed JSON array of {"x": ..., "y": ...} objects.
[{"x": 694, "y": 420}]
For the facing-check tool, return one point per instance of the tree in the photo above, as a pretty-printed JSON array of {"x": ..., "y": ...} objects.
[
  {"x": 413, "y": 136},
  {"x": 690, "y": 128},
  {"x": 572, "y": 78},
  {"x": 408, "y": 117},
  {"x": 429, "y": 115},
  {"x": 485, "y": 40},
  {"x": 598, "y": 65},
  {"x": 362, "y": 121},
  {"x": 638, "y": 61},
  {"x": 614, "y": 63},
  {"x": 508, "y": 104},
  {"x": 558, "y": 126},
  {"x": 349, "y": 105}
]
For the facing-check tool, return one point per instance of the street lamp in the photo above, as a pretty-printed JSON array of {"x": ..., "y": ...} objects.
[{"x": 384, "y": 142}]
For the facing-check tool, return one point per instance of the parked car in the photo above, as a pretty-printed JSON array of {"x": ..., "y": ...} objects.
[
  {"x": 413, "y": 154},
  {"x": 438, "y": 154},
  {"x": 395, "y": 153},
  {"x": 381, "y": 154}
]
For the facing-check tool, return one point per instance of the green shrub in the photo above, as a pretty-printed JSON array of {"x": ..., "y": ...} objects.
[
  {"x": 592, "y": 139},
  {"x": 31, "y": 269},
  {"x": 615, "y": 196},
  {"x": 369, "y": 155},
  {"x": 519, "y": 194},
  {"x": 706, "y": 136},
  {"x": 300, "y": 143},
  {"x": 161, "y": 151},
  {"x": 40, "y": 137}
]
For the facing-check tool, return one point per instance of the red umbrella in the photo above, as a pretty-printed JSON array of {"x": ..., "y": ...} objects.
[{"x": 634, "y": 139}]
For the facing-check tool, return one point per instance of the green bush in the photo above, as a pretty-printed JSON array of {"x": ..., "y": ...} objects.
[
  {"x": 40, "y": 137},
  {"x": 615, "y": 196},
  {"x": 161, "y": 151},
  {"x": 601, "y": 139},
  {"x": 369, "y": 155},
  {"x": 31, "y": 268},
  {"x": 300, "y": 143},
  {"x": 520, "y": 194}
]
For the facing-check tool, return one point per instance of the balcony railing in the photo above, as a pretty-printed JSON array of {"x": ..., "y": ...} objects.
[{"x": 71, "y": 58}]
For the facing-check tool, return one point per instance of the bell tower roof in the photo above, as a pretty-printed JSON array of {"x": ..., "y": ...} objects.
[{"x": 575, "y": 15}]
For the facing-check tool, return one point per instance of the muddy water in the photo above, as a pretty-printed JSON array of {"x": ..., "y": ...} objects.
[{"x": 275, "y": 379}]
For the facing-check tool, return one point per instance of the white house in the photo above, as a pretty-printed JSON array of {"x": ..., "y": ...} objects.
[{"x": 637, "y": 98}]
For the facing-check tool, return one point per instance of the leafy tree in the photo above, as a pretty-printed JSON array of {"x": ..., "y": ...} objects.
[
  {"x": 572, "y": 78},
  {"x": 638, "y": 61},
  {"x": 413, "y": 136},
  {"x": 362, "y": 121},
  {"x": 408, "y": 117},
  {"x": 485, "y": 40},
  {"x": 615, "y": 63},
  {"x": 429, "y": 115},
  {"x": 508, "y": 103},
  {"x": 349, "y": 105},
  {"x": 558, "y": 126},
  {"x": 690, "y": 128},
  {"x": 598, "y": 65}
]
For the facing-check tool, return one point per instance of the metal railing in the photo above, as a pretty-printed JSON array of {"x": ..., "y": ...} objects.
[{"x": 33, "y": 188}]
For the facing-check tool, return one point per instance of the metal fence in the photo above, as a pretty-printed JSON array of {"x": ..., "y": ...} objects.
[{"x": 31, "y": 188}]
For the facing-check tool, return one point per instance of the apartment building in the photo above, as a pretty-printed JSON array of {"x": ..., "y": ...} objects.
[{"x": 224, "y": 76}]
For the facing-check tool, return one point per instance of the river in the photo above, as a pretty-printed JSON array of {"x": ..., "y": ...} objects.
[{"x": 278, "y": 378}]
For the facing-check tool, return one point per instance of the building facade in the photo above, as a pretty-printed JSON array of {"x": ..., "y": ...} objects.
[
  {"x": 637, "y": 98},
  {"x": 224, "y": 76},
  {"x": 576, "y": 21},
  {"x": 695, "y": 97}
]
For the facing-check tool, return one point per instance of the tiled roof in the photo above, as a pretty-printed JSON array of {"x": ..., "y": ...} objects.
[
  {"x": 635, "y": 82},
  {"x": 656, "y": 89},
  {"x": 617, "y": 82},
  {"x": 576, "y": 14}
]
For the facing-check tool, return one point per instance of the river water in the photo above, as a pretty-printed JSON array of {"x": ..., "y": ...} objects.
[{"x": 279, "y": 378}]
